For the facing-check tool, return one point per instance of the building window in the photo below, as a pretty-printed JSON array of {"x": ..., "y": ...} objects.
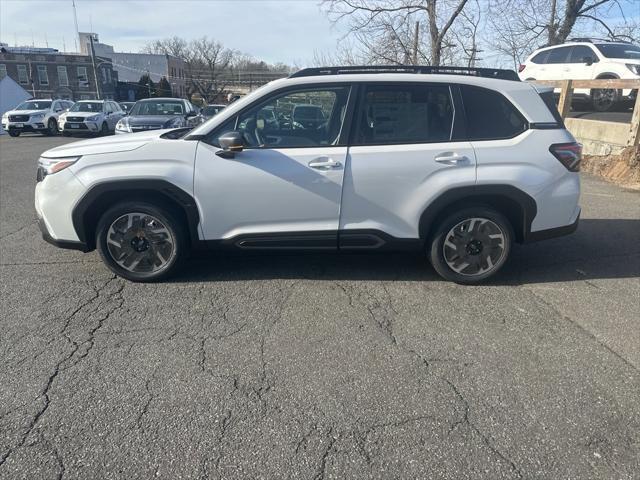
[
  {"x": 43, "y": 76},
  {"x": 23, "y": 78},
  {"x": 85, "y": 97},
  {"x": 83, "y": 79},
  {"x": 63, "y": 78},
  {"x": 3, "y": 71},
  {"x": 104, "y": 75},
  {"x": 108, "y": 75}
]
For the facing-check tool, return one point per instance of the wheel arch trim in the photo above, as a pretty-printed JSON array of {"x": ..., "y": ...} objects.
[
  {"x": 521, "y": 220},
  {"x": 171, "y": 192}
]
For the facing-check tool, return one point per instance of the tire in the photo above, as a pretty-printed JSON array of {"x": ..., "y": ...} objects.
[
  {"x": 605, "y": 99},
  {"x": 104, "y": 130},
  {"x": 66, "y": 134},
  {"x": 132, "y": 253},
  {"x": 14, "y": 133},
  {"x": 453, "y": 245},
  {"x": 52, "y": 128}
]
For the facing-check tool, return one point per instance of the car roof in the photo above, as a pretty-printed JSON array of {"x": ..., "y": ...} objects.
[
  {"x": 155, "y": 99},
  {"x": 93, "y": 101}
]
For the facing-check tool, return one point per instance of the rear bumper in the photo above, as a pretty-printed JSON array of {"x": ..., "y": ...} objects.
[{"x": 552, "y": 232}]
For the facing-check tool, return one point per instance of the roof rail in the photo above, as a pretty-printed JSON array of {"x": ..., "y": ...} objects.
[
  {"x": 594, "y": 40},
  {"x": 423, "y": 69}
]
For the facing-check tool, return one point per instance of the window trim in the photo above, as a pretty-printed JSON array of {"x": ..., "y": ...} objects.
[
  {"x": 23, "y": 68},
  {"x": 40, "y": 69},
  {"x": 527, "y": 125},
  {"x": 59, "y": 69},
  {"x": 454, "y": 127},
  {"x": 343, "y": 140},
  {"x": 3, "y": 68}
]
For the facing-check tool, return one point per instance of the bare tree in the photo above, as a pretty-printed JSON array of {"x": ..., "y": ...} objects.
[
  {"x": 385, "y": 29},
  {"x": 208, "y": 64},
  {"x": 517, "y": 27}
]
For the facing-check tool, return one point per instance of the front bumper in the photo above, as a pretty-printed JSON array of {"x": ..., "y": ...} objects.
[
  {"x": 24, "y": 126},
  {"x": 67, "y": 244},
  {"x": 79, "y": 127}
]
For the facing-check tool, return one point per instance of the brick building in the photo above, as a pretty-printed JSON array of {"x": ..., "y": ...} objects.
[{"x": 48, "y": 73}]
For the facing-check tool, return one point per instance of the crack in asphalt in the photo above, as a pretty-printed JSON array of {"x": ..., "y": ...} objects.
[
  {"x": 60, "y": 365},
  {"x": 322, "y": 467},
  {"x": 580, "y": 328},
  {"x": 24, "y": 227}
]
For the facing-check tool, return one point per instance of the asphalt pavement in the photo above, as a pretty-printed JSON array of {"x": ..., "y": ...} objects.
[{"x": 320, "y": 366}]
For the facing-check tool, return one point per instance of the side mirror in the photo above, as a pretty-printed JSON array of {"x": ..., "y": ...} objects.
[
  {"x": 191, "y": 114},
  {"x": 230, "y": 142},
  {"x": 588, "y": 60}
]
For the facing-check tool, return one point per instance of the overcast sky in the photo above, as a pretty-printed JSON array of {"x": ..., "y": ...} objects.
[{"x": 276, "y": 31}]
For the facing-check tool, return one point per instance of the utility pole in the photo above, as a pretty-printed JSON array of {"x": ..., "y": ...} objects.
[
  {"x": 93, "y": 62},
  {"x": 75, "y": 18},
  {"x": 416, "y": 36}
]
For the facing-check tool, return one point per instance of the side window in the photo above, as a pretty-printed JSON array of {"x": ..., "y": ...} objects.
[
  {"x": 303, "y": 118},
  {"x": 559, "y": 55},
  {"x": 490, "y": 116},
  {"x": 107, "y": 107},
  {"x": 541, "y": 57},
  {"x": 580, "y": 54},
  {"x": 394, "y": 114}
]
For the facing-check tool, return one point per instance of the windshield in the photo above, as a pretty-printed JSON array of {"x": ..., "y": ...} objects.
[
  {"x": 34, "y": 105},
  {"x": 87, "y": 107},
  {"x": 158, "y": 108},
  {"x": 211, "y": 110},
  {"x": 619, "y": 50}
]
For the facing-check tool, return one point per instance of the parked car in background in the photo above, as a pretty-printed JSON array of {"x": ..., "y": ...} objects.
[
  {"x": 458, "y": 166},
  {"x": 587, "y": 59},
  {"x": 126, "y": 106},
  {"x": 91, "y": 116},
  {"x": 211, "y": 110},
  {"x": 159, "y": 113},
  {"x": 35, "y": 116}
]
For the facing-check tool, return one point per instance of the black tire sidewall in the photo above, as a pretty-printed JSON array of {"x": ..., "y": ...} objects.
[
  {"x": 436, "y": 242},
  {"x": 104, "y": 129},
  {"x": 163, "y": 213},
  {"x": 13, "y": 133},
  {"x": 51, "y": 132}
]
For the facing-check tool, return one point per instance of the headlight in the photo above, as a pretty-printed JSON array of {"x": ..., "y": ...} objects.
[
  {"x": 94, "y": 118},
  {"x": 634, "y": 67},
  {"x": 5, "y": 116},
  {"x": 54, "y": 165},
  {"x": 123, "y": 125},
  {"x": 37, "y": 116}
]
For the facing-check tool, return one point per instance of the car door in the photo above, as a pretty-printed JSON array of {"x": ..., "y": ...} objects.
[
  {"x": 408, "y": 148},
  {"x": 581, "y": 66},
  {"x": 284, "y": 188}
]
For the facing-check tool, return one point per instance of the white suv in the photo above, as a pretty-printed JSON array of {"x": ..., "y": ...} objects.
[
  {"x": 587, "y": 60},
  {"x": 91, "y": 116},
  {"x": 35, "y": 116},
  {"x": 441, "y": 160}
]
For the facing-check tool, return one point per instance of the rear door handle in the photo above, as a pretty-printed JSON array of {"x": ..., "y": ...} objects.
[
  {"x": 451, "y": 158},
  {"x": 324, "y": 163}
]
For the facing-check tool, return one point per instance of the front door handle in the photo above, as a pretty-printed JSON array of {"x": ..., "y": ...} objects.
[
  {"x": 324, "y": 163},
  {"x": 451, "y": 158}
]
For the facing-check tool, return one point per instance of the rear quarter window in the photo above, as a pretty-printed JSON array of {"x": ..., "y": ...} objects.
[
  {"x": 540, "y": 57},
  {"x": 490, "y": 116}
]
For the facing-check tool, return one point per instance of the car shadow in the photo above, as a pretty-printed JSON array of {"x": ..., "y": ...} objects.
[{"x": 599, "y": 249}]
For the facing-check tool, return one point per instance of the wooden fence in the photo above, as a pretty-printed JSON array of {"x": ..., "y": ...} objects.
[{"x": 566, "y": 93}]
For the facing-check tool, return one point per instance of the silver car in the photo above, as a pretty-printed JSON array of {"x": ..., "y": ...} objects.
[{"x": 91, "y": 117}]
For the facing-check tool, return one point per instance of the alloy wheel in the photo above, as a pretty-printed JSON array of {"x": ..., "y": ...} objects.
[
  {"x": 604, "y": 98},
  {"x": 140, "y": 243},
  {"x": 474, "y": 246}
]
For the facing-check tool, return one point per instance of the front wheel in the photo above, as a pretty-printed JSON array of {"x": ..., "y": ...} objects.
[
  {"x": 605, "y": 99},
  {"x": 470, "y": 245},
  {"x": 104, "y": 130},
  {"x": 52, "y": 128},
  {"x": 141, "y": 242},
  {"x": 14, "y": 133}
]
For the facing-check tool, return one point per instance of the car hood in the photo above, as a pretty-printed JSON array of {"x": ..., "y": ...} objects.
[
  {"x": 25, "y": 112},
  {"x": 82, "y": 114},
  {"x": 155, "y": 120},
  {"x": 112, "y": 144}
]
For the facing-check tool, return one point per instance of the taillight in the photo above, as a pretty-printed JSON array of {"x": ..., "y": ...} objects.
[
  {"x": 521, "y": 67},
  {"x": 569, "y": 154}
]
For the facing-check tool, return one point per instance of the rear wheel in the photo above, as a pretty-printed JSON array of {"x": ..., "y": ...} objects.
[
  {"x": 471, "y": 245},
  {"x": 141, "y": 242}
]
